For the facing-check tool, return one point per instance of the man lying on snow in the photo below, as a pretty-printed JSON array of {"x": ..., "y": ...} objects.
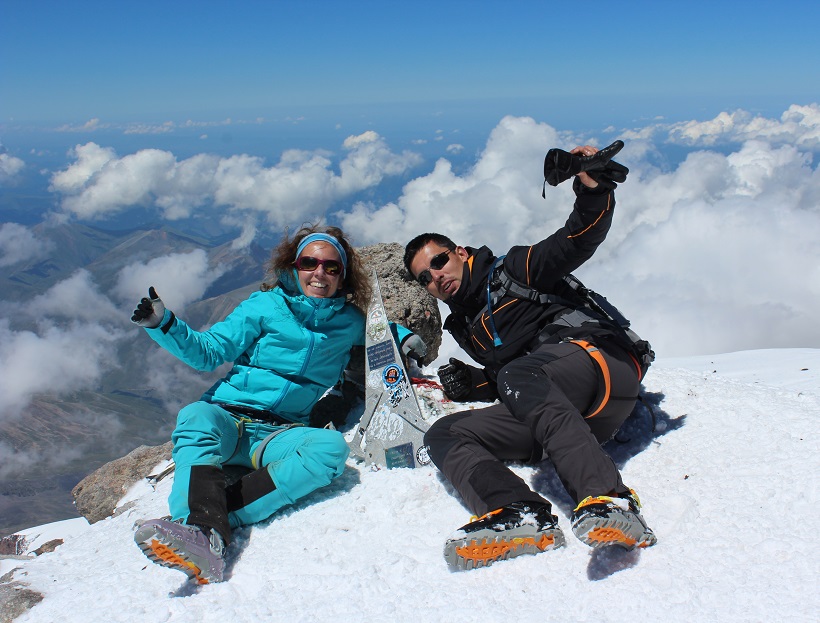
[{"x": 566, "y": 380}]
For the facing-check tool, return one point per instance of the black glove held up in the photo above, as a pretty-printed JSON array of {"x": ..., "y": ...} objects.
[
  {"x": 560, "y": 165},
  {"x": 456, "y": 379},
  {"x": 610, "y": 176}
]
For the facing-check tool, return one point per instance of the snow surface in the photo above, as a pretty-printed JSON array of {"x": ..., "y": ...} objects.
[{"x": 728, "y": 482}]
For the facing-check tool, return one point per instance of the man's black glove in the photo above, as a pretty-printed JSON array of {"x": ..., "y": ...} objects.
[
  {"x": 456, "y": 379},
  {"x": 560, "y": 165},
  {"x": 610, "y": 176},
  {"x": 150, "y": 310}
]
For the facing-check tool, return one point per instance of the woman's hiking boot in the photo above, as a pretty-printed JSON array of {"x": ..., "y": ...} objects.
[
  {"x": 600, "y": 521},
  {"x": 507, "y": 532},
  {"x": 196, "y": 551}
]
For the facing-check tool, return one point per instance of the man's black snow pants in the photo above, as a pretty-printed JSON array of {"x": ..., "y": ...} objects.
[{"x": 544, "y": 399}]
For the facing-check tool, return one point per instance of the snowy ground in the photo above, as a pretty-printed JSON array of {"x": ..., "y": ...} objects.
[{"x": 728, "y": 482}]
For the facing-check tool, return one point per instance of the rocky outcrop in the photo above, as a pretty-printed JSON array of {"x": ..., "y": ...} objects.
[
  {"x": 48, "y": 547},
  {"x": 405, "y": 301},
  {"x": 13, "y": 545},
  {"x": 15, "y": 599},
  {"x": 96, "y": 495}
]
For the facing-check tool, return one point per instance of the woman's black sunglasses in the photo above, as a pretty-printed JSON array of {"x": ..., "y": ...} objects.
[
  {"x": 436, "y": 263},
  {"x": 308, "y": 263}
]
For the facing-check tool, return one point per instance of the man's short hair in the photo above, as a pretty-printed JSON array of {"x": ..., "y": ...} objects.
[{"x": 421, "y": 241}]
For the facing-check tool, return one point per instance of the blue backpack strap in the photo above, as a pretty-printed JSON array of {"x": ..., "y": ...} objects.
[{"x": 496, "y": 338}]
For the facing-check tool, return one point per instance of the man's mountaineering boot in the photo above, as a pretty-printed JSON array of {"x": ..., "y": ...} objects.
[
  {"x": 608, "y": 520},
  {"x": 507, "y": 532}
]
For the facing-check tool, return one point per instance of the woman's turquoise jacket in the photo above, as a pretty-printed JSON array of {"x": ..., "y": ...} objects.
[{"x": 287, "y": 348}]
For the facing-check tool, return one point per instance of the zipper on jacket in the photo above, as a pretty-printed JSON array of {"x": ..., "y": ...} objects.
[{"x": 304, "y": 367}]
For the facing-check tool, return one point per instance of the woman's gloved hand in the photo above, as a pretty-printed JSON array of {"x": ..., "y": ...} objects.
[
  {"x": 413, "y": 347},
  {"x": 150, "y": 310}
]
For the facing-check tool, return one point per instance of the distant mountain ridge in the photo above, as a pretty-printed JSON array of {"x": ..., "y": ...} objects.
[
  {"x": 104, "y": 253},
  {"x": 91, "y": 427}
]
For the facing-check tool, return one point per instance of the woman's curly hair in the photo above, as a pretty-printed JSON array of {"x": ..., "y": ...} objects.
[{"x": 356, "y": 285}]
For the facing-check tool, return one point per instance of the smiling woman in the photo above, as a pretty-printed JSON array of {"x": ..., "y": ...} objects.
[{"x": 289, "y": 343}]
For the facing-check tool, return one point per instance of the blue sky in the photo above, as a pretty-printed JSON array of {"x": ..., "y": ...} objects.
[{"x": 68, "y": 62}]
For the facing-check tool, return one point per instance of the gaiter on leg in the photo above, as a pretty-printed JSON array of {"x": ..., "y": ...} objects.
[{"x": 207, "y": 500}]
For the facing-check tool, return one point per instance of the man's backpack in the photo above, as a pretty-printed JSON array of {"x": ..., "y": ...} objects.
[{"x": 586, "y": 307}]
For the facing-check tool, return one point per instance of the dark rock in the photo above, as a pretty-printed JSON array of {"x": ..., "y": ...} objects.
[
  {"x": 96, "y": 495},
  {"x": 48, "y": 547},
  {"x": 405, "y": 301},
  {"x": 13, "y": 545},
  {"x": 15, "y": 599}
]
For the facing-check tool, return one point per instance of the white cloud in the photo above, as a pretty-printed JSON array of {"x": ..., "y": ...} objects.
[
  {"x": 77, "y": 329},
  {"x": 369, "y": 162},
  {"x": 302, "y": 185},
  {"x": 181, "y": 186},
  {"x": 75, "y": 299},
  {"x": 500, "y": 195},
  {"x": 299, "y": 184},
  {"x": 100, "y": 183},
  {"x": 19, "y": 244},
  {"x": 799, "y": 125},
  {"x": 369, "y": 136},
  {"x": 719, "y": 254},
  {"x": 91, "y": 158},
  {"x": 637, "y": 134},
  {"x": 10, "y": 167},
  {"x": 70, "y": 349},
  {"x": 179, "y": 279},
  {"x": 88, "y": 126},
  {"x": 17, "y": 463},
  {"x": 190, "y": 123},
  {"x": 150, "y": 128},
  {"x": 248, "y": 232}
]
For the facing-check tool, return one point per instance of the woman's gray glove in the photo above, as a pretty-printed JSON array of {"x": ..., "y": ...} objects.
[
  {"x": 150, "y": 310},
  {"x": 413, "y": 347}
]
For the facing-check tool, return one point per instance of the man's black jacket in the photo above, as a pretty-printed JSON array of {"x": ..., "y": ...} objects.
[{"x": 541, "y": 266}]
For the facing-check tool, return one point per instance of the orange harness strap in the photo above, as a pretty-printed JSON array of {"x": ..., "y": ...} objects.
[{"x": 598, "y": 357}]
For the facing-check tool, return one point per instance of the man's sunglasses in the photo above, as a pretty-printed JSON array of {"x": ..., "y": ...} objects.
[
  {"x": 308, "y": 263},
  {"x": 436, "y": 263}
]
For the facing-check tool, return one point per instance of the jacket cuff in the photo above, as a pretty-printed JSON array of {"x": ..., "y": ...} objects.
[
  {"x": 482, "y": 389},
  {"x": 583, "y": 189},
  {"x": 166, "y": 323}
]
